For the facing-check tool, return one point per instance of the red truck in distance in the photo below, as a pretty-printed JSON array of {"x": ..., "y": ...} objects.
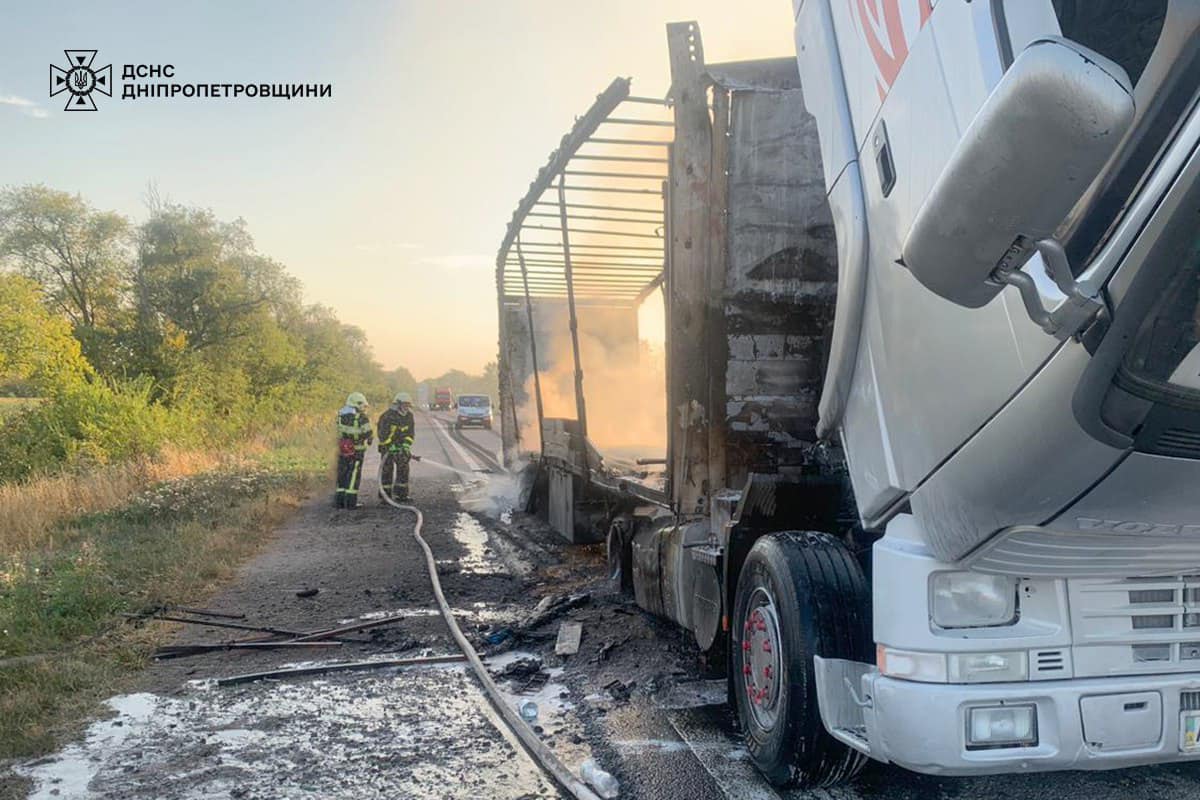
[{"x": 443, "y": 399}]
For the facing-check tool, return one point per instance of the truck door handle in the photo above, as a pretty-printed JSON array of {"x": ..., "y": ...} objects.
[{"x": 884, "y": 164}]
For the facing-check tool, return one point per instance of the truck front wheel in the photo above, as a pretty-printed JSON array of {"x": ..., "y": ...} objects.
[{"x": 798, "y": 595}]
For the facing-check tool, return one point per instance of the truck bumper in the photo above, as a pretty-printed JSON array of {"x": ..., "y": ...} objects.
[{"x": 1096, "y": 723}]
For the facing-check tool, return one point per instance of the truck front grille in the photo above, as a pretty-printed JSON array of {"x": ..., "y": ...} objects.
[{"x": 1135, "y": 625}]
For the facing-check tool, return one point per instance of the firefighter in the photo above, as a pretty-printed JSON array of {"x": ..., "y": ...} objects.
[
  {"x": 354, "y": 436},
  {"x": 396, "y": 432}
]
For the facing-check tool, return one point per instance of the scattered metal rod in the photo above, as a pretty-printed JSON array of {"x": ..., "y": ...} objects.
[
  {"x": 646, "y": 461},
  {"x": 183, "y": 650},
  {"x": 352, "y": 666},
  {"x": 200, "y": 612},
  {"x": 240, "y": 627},
  {"x": 656, "y": 101},
  {"x": 215, "y": 624},
  {"x": 358, "y": 626}
]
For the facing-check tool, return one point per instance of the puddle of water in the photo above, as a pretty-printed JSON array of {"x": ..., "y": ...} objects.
[
  {"x": 69, "y": 773},
  {"x": 478, "y": 558},
  {"x": 415, "y": 734}
]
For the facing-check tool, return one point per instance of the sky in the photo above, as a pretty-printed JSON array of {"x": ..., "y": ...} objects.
[{"x": 388, "y": 199}]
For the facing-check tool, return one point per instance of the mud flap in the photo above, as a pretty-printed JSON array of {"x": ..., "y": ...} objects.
[{"x": 843, "y": 695}]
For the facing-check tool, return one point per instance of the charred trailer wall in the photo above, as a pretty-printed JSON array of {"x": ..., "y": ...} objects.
[
  {"x": 781, "y": 280},
  {"x": 751, "y": 274}
]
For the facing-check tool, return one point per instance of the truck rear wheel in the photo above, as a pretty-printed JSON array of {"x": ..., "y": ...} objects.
[{"x": 798, "y": 595}]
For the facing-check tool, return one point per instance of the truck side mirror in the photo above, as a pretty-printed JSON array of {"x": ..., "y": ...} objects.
[{"x": 1038, "y": 142}]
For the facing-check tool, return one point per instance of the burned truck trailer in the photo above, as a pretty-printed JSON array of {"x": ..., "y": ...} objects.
[
  {"x": 740, "y": 250},
  {"x": 932, "y": 382}
]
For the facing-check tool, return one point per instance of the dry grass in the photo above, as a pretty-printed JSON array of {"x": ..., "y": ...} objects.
[{"x": 30, "y": 511}]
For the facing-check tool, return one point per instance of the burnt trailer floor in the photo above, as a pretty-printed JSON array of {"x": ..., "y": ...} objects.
[{"x": 634, "y": 696}]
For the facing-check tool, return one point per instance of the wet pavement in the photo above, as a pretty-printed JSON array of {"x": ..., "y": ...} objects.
[{"x": 419, "y": 733}]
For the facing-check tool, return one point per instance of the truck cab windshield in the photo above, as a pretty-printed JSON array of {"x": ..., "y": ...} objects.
[{"x": 1165, "y": 355}]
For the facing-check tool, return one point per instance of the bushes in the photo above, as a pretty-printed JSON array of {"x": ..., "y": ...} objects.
[{"x": 85, "y": 425}]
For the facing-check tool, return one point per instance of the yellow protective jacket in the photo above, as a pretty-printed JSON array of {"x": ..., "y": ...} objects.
[
  {"x": 354, "y": 425},
  {"x": 396, "y": 430}
]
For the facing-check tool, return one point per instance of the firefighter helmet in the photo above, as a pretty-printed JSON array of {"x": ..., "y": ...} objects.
[
  {"x": 357, "y": 400},
  {"x": 402, "y": 397}
]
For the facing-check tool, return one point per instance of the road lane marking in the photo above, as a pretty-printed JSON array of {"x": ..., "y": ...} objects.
[
  {"x": 733, "y": 771},
  {"x": 442, "y": 427}
]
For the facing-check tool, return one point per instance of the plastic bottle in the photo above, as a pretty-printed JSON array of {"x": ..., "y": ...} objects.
[{"x": 605, "y": 785}]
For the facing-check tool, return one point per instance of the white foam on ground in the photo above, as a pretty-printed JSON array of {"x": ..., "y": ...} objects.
[{"x": 417, "y": 733}]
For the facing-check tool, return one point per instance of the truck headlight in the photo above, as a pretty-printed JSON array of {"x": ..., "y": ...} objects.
[
  {"x": 973, "y": 600},
  {"x": 1001, "y": 726}
]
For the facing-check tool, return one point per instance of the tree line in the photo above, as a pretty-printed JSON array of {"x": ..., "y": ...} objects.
[{"x": 175, "y": 330}]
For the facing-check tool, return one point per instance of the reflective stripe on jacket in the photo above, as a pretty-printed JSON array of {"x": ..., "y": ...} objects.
[
  {"x": 396, "y": 428},
  {"x": 354, "y": 425}
]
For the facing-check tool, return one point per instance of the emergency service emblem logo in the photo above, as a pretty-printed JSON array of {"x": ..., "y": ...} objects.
[{"x": 80, "y": 79}]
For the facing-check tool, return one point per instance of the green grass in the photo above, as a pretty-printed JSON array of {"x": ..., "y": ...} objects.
[{"x": 175, "y": 542}]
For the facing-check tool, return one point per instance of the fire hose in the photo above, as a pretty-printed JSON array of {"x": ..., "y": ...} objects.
[{"x": 540, "y": 753}]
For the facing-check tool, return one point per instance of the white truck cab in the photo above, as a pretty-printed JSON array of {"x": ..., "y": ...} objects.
[{"x": 1014, "y": 374}]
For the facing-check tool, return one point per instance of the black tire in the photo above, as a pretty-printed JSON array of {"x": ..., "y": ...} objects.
[
  {"x": 619, "y": 551},
  {"x": 798, "y": 595}
]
